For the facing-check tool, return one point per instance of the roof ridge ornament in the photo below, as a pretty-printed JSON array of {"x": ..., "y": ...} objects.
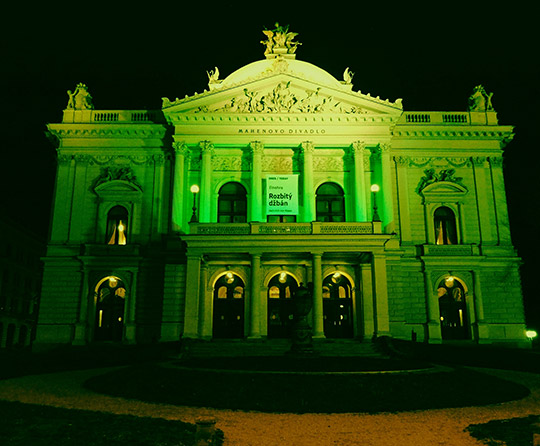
[{"x": 280, "y": 42}]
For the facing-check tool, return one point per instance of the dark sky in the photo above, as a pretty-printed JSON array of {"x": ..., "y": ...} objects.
[{"x": 132, "y": 56}]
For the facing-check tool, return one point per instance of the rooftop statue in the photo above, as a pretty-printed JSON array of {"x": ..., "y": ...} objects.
[
  {"x": 280, "y": 41},
  {"x": 480, "y": 100},
  {"x": 80, "y": 99},
  {"x": 348, "y": 76},
  {"x": 213, "y": 76}
]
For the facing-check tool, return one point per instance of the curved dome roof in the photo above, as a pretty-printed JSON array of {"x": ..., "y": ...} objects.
[{"x": 269, "y": 67}]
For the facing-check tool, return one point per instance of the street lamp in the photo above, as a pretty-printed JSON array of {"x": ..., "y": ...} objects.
[
  {"x": 375, "y": 188},
  {"x": 195, "y": 190}
]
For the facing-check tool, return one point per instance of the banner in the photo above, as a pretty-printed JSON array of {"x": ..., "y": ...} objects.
[{"x": 282, "y": 195}]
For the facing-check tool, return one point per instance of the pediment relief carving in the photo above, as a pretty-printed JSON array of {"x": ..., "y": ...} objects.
[
  {"x": 283, "y": 99},
  {"x": 116, "y": 179}
]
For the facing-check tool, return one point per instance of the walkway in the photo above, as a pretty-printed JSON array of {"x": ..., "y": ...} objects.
[{"x": 426, "y": 427}]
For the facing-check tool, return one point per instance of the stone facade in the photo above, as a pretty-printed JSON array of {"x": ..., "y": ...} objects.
[{"x": 135, "y": 256}]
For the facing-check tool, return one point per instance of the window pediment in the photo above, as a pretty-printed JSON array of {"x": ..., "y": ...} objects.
[{"x": 444, "y": 191}]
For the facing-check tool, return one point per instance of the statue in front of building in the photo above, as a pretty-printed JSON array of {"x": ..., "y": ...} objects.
[
  {"x": 280, "y": 40},
  {"x": 302, "y": 343},
  {"x": 480, "y": 100},
  {"x": 80, "y": 99}
]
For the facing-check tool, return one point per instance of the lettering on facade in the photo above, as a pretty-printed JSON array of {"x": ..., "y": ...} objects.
[{"x": 283, "y": 131}]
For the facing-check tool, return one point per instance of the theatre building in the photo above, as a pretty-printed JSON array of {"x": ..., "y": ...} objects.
[{"x": 200, "y": 220}]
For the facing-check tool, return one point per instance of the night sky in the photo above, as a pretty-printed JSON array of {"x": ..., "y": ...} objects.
[{"x": 130, "y": 58}]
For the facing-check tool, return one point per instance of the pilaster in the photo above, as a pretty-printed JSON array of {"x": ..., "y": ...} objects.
[
  {"x": 255, "y": 315},
  {"x": 317, "y": 311},
  {"x": 382, "y": 319},
  {"x": 359, "y": 150},
  {"x": 191, "y": 328},
  {"x": 205, "y": 203},
  {"x": 307, "y": 181},
  {"x": 181, "y": 150},
  {"x": 257, "y": 151}
]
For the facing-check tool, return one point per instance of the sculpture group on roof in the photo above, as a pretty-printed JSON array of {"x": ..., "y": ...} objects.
[
  {"x": 280, "y": 40},
  {"x": 80, "y": 99},
  {"x": 480, "y": 100}
]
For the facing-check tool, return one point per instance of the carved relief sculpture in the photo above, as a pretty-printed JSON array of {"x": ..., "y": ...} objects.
[
  {"x": 431, "y": 177},
  {"x": 480, "y": 100},
  {"x": 280, "y": 41},
  {"x": 116, "y": 173}
]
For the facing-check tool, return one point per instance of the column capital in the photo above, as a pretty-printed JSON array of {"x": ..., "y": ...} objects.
[
  {"x": 257, "y": 147},
  {"x": 384, "y": 147},
  {"x": 180, "y": 148},
  {"x": 307, "y": 147},
  {"x": 402, "y": 161},
  {"x": 358, "y": 148},
  {"x": 207, "y": 147},
  {"x": 496, "y": 161}
]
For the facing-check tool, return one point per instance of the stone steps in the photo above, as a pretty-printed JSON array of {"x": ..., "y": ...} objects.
[{"x": 275, "y": 347}]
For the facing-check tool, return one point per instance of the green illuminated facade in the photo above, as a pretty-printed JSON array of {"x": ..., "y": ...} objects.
[{"x": 284, "y": 157}]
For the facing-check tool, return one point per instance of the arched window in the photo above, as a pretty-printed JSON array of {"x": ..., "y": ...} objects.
[
  {"x": 330, "y": 204},
  {"x": 117, "y": 221},
  {"x": 445, "y": 226},
  {"x": 232, "y": 203}
]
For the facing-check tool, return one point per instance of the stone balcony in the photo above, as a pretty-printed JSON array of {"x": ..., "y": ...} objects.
[
  {"x": 448, "y": 118},
  {"x": 113, "y": 116},
  {"x": 313, "y": 228}
]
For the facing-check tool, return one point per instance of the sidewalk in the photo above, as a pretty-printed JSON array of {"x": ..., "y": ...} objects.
[{"x": 427, "y": 427}]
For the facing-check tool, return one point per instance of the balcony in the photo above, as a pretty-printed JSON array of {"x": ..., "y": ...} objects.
[
  {"x": 313, "y": 228},
  {"x": 449, "y": 118}
]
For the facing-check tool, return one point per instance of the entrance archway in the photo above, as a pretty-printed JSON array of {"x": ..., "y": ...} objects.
[
  {"x": 110, "y": 302},
  {"x": 453, "y": 309},
  {"x": 228, "y": 319},
  {"x": 281, "y": 289},
  {"x": 337, "y": 306}
]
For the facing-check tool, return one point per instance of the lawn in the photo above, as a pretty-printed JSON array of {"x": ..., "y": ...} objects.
[{"x": 28, "y": 424}]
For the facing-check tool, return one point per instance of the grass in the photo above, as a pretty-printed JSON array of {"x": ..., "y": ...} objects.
[
  {"x": 305, "y": 393},
  {"x": 511, "y": 432},
  {"x": 28, "y": 424}
]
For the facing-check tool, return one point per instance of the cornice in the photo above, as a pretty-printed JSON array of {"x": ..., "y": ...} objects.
[
  {"x": 504, "y": 135},
  {"x": 284, "y": 118},
  {"x": 104, "y": 131}
]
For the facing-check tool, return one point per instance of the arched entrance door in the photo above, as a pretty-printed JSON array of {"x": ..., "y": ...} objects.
[
  {"x": 110, "y": 300},
  {"x": 229, "y": 307},
  {"x": 453, "y": 310},
  {"x": 337, "y": 306},
  {"x": 281, "y": 289}
]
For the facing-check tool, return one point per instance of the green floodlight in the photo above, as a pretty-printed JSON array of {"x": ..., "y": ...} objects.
[{"x": 531, "y": 334}]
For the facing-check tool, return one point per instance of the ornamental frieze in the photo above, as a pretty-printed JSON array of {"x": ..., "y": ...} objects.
[
  {"x": 446, "y": 175},
  {"x": 329, "y": 164},
  {"x": 277, "y": 164},
  {"x": 283, "y": 100},
  {"x": 230, "y": 163}
]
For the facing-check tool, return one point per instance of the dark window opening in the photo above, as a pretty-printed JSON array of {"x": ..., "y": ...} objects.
[
  {"x": 330, "y": 203},
  {"x": 232, "y": 203}
]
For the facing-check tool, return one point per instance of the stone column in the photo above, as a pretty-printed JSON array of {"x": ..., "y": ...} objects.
[
  {"x": 205, "y": 201},
  {"x": 81, "y": 327},
  {"x": 317, "y": 310},
  {"x": 131, "y": 309},
  {"x": 359, "y": 181},
  {"x": 157, "y": 203},
  {"x": 181, "y": 150},
  {"x": 308, "y": 193},
  {"x": 501, "y": 208},
  {"x": 482, "y": 329},
  {"x": 484, "y": 200},
  {"x": 386, "y": 188},
  {"x": 368, "y": 301},
  {"x": 255, "y": 292},
  {"x": 382, "y": 319},
  {"x": 193, "y": 282},
  {"x": 433, "y": 314},
  {"x": 205, "y": 304},
  {"x": 402, "y": 165},
  {"x": 257, "y": 151}
]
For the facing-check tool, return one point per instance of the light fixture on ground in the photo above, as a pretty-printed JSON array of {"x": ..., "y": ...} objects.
[
  {"x": 374, "y": 189},
  {"x": 531, "y": 334},
  {"x": 195, "y": 190}
]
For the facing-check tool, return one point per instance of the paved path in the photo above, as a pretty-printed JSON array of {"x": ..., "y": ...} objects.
[{"x": 425, "y": 427}]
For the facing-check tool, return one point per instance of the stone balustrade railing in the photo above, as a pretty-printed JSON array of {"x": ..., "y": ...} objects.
[
  {"x": 449, "y": 118},
  {"x": 256, "y": 228},
  {"x": 113, "y": 116}
]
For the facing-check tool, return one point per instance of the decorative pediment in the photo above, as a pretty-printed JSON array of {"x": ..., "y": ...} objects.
[
  {"x": 116, "y": 181},
  {"x": 441, "y": 187},
  {"x": 281, "y": 85}
]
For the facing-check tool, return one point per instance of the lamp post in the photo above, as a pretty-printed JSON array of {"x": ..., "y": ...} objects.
[
  {"x": 375, "y": 188},
  {"x": 195, "y": 190}
]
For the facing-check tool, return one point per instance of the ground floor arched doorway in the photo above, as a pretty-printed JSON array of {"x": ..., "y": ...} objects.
[
  {"x": 453, "y": 310},
  {"x": 281, "y": 290},
  {"x": 337, "y": 306},
  {"x": 110, "y": 302},
  {"x": 228, "y": 319}
]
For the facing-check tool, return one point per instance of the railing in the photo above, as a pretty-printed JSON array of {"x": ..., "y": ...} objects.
[
  {"x": 255, "y": 228},
  {"x": 449, "y": 118},
  {"x": 113, "y": 116}
]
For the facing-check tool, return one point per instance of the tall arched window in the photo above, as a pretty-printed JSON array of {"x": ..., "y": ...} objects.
[
  {"x": 232, "y": 203},
  {"x": 445, "y": 226},
  {"x": 330, "y": 204},
  {"x": 117, "y": 220}
]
